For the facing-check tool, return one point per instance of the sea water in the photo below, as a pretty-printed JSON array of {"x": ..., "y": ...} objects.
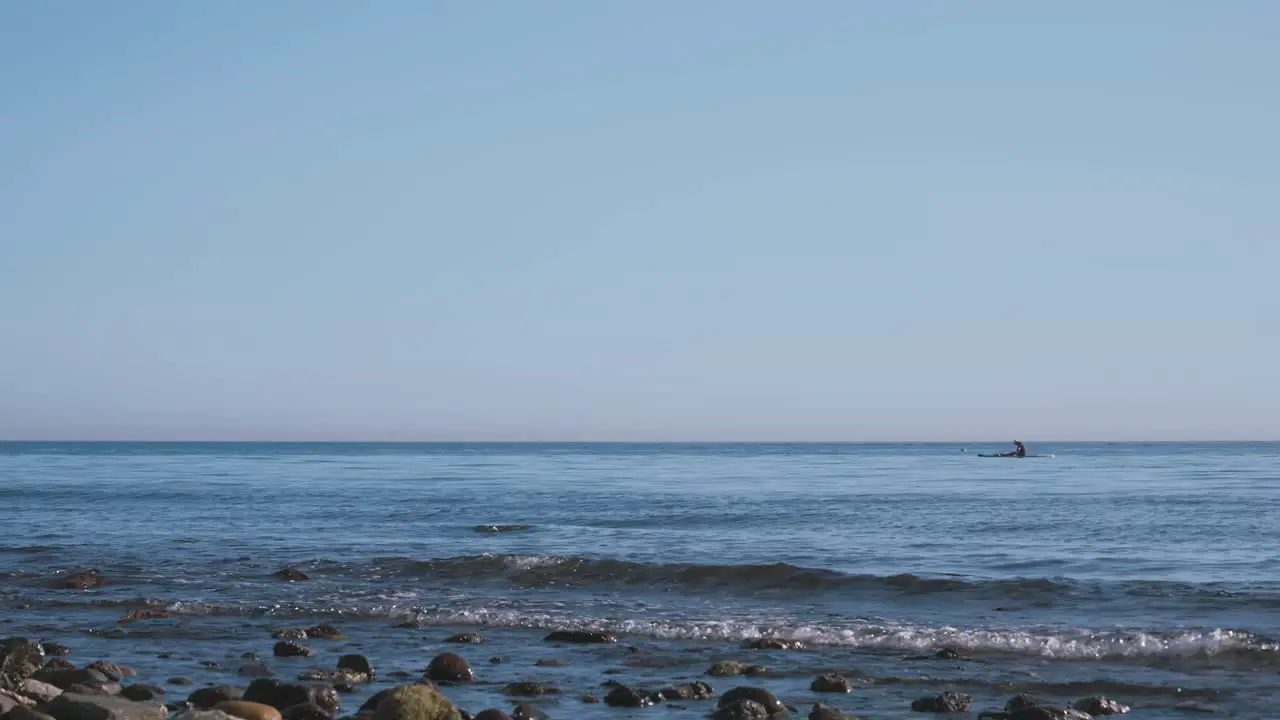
[{"x": 1145, "y": 572}]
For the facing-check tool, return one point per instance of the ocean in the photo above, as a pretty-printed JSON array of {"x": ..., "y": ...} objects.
[{"x": 1147, "y": 573}]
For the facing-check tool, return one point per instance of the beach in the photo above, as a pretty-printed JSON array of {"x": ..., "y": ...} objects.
[{"x": 868, "y": 578}]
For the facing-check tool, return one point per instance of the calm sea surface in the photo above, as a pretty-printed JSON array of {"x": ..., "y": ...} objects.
[{"x": 1146, "y": 572}]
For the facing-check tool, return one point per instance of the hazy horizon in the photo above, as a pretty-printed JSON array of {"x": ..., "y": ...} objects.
[{"x": 618, "y": 222}]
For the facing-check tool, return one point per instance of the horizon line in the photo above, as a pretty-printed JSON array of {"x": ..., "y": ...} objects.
[{"x": 224, "y": 441}]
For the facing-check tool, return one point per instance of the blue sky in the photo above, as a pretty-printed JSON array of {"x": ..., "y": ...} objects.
[{"x": 584, "y": 220}]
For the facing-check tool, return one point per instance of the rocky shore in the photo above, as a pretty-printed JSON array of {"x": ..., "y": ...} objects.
[{"x": 39, "y": 682}]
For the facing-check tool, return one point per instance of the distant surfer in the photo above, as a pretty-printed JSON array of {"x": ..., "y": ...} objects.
[{"x": 1019, "y": 450}]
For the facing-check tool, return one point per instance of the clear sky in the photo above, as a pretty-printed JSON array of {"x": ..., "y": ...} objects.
[{"x": 585, "y": 220}]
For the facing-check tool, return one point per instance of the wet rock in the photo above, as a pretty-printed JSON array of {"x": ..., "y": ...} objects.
[
  {"x": 291, "y": 574},
  {"x": 179, "y": 681},
  {"x": 623, "y": 696},
  {"x": 22, "y": 712},
  {"x": 465, "y": 638},
  {"x": 727, "y": 668},
  {"x": 741, "y": 710},
  {"x": 552, "y": 662},
  {"x": 766, "y": 699},
  {"x": 114, "y": 672},
  {"x": 525, "y": 711},
  {"x": 356, "y": 666},
  {"x": 774, "y": 644},
  {"x": 307, "y": 711},
  {"x": 831, "y": 682},
  {"x": 198, "y": 714},
  {"x": 324, "y": 631},
  {"x": 756, "y": 670},
  {"x": 415, "y": 702},
  {"x": 947, "y": 702},
  {"x": 39, "y": 691},
  {"x": 254, "y": 669},
  {"x": 501, "y": 528},
  {"x": 1096, "y": 706},
  {"x": 290, "y": 634},
  {"x": 289, "y": 648},
  {"x": 826, "y": 712},
  {"x": 135, "y": 615},
  {"x": 79, "y": 581},
  {"x": 947, "y": 653},
  {"x": 143, "y": 692},
  {"x": 492, "y": 714},
  {"x": 262, "y": 690},
  {"x": 689, "y": 691},
  {"x": 210, "y": 697},
  {"x": 60, "y": 664},
  {"x": 1048, "y": 712},
  {"x": 1022, "y": 701},
  {"x": 19, "y": 659},
  {"x": 55, "y": 649},
  {"x": 248, "y": 710},
  {"x": 69, "y": 706},
  {"x": 450, "y": 667},
  {"x": 66, "y": 678},
  {"x": 8, "y": 703},
  {"x": 283, "y": 696},
  {"x": 581, "y": 637},
  {"x": 529, "y": 689},
  {"x": 107, "y": 688}
]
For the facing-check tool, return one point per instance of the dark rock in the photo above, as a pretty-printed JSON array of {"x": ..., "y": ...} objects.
[
  {"x": 79, "y": 581},
  {"x": 774, "y": 644},
  {"x": 689, "y": 691},
  {"x": 826, "y": 712},
  {"x": 525, "y": 711},
  {"x": 324, "y": 631},
  {"x": 624, "y": 696},
  {"x": 254, "y": 669},
  {"x": 68, "y": 706},
  {"x": 755, "y": 670},
  {"x": 143, "y": 692},
  {"x": 262, "y": 690},
  {"x": 209, "y": 697},
  {"x": 179, "y": 681},
  {"x": 249, "y": 656},
  {"x": 1022, "y": 701},
  {"x": 947, "y": 653},
  {"x": 19, "y": 659},
  {"x": 144, "y": 614},
  {"x": 291, "y": 575},
  {"x": 371, "y": 704},
  {"x": 289, "y": 648},
  {"x": 580, "y": 637},
  {"x": 1096, "y": 706},
  {"x": 290, "y": 634},
  {"x": 60, "y": 664},
  {"x": 947, "y": 702},
  {"x": 66, "y": 678},
  {"x": 415, "y": 702},
  {"x": 1048, "y": 712},
  {"x": 830, "y": 682},
  {"x": 107, "y": 688},
  {"x": 501, "y": 528},
  {"x": 56, "y": 649},
  {"x": 286, "y": 695},
  {"x": 727, "y": 668},
  {"x": 529, "y": 689},
  {"x": 552, "y": 662},
  {"x": 765, "y": 698},
  {"x": 7, "y": 703},
  {"x": 113, "y": 671},
  {"x": 22, "y": 712},
  {"x": 450, "y": 667},
  {"x": 491, "y": 714},
  {"x": 741, "y": 710},
  {"x": 469, "y": 638},
  {"x": 307, "y": 711},
  {"x": 356, "y": 665}
]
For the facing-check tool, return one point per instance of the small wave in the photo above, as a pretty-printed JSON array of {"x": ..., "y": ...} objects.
[{"x": 1220, "y": 647}]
